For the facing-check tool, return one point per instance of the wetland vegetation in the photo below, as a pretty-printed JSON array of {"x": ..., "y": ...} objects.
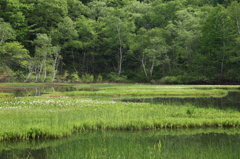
[
  {"x": 218, "y": 143},
  {"x": 118, "y": 121},
  {"x": 102, "y": 107}
]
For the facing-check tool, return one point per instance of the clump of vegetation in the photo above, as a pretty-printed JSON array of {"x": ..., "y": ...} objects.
[
  {"x": 130, "y": 90},
  {"x": 184, "y": 79},
  {"x": 114, "y": 77}
]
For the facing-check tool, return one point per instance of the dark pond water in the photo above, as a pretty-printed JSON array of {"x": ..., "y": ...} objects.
[
  {"x": 231, "y": 101},
  {"x": 38, "y": 91},
  {"x": 165, "y": 144}
]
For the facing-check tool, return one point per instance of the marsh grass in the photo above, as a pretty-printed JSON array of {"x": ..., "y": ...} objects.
[
  {"x": 135, "y": 90},
  {"x": 131, "y": 90},
  {"x": 6, "y": 95},
  {"x": 165, "y": 143},
  {"x": 44, "y": 117}
]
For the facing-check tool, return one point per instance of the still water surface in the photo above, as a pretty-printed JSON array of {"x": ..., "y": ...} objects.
[
  {"x": 231, "y": 101},
  {"x": 165, "y": 144},
  {"x": 38, "y": 91}
]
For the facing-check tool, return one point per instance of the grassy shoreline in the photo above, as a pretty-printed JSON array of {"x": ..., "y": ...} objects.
[
  {"x": 55, "y": 118},
  {"x": 24, "y": 118}
]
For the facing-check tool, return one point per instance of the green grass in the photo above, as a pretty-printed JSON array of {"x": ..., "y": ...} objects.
[
  {"x": 43, "y": 117},
  {"x": 165, "y": 143},
  {"x": 132, "y": 90},
  {"x": 6, "y": 95},
  {"x": 155, "y": 146},
  {"x": 140, "y": 90},
  {"x": 92, "y": 108}
]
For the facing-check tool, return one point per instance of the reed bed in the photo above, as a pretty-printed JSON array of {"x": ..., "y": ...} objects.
[
  {"x": 6, "y": 94},
  {"x": 91, "y": 135},
  {"x": 44, "y": 117},
  {"x": 133, "y": 90},
  {"x": 161, "y": 144}
]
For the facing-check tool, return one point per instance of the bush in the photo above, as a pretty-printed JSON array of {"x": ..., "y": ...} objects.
[
  {"x": 113, "y": 77},
  {"x": 62, "y": 77},
  {"x": 183, "y": 79},
  {"x": 99, "y": 78},
  {"x": 87, "y": 78},
  {"x": 171, "y": 80},
  {"x": 73, "y": 77}
]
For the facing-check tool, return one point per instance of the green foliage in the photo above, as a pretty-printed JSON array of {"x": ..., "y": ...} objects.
[
  {"x": 65, "y": 31},
  {"x": 99, "y": 78},
  {"x": 184, "y": 79},
  {"x": 14, "y": 60},
  {"x": 141, "y": 91},
  {"x": 6, "y": 32},
  {"x": 170, "y": 80},
  {"x": 47, "y": 14},
  {"x": 87, "y": 78},
  {"x": 152, "y": 38},
  {"x": 114, "y": 77},
  {"x": 73, "y": 77}
]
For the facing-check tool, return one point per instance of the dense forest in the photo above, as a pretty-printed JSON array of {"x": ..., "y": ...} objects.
[{"x": 167, "y": 41}]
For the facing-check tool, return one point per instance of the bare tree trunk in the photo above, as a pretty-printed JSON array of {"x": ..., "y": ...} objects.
[
  {"x": 38, "y": 72},
  {"x": 144, "y": 66},
  {"x": 45, "y": 67},
  {"x": 73, "y": 60},
  {"x": 120, "y": 51},
  {"x": 153, "y": 64},
  {"x": 30, "y": 69},
  {"x": 45, "y": 72},
  {"x": 120, "y": 61},
  {"x": 55, "y": 64}
]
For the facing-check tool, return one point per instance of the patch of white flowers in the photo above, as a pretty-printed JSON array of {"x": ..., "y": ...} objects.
[{"x": 58, "y": 102}]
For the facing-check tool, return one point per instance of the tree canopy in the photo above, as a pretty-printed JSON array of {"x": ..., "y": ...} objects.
[{"x": 170, "y": 41}]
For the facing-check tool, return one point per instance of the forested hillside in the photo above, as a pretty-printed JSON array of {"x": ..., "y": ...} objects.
[{"x": 168, "y": 41}]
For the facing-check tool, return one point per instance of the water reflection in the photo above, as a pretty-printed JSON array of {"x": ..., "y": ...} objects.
[
  {"x": 231, "y": 101},
  {"x": 185, "y": 144},
  {"x": 38, "y": 91}
]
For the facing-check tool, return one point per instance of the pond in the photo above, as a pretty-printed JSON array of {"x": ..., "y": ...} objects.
[
  {"x": 21, "y": 91},
  {"x": 231, "y": 101},
  {"x": 220, "y": 143},
  {"x": 172, "y": 143}
]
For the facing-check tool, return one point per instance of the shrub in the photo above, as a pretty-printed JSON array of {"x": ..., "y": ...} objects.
[
  {"x": 87, "y": 78},
  {"x": 170, "y": 80},
  {"x": 184, "y": 79},
  {"x": 113, "y": 77},
  {"x": 99, "y": 78},
  {"x": 73, "y": 77},
  {"x": 62, "y": 77}
]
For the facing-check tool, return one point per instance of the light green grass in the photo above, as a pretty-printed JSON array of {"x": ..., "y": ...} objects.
[
  {"x": 117, "y": 142},
  {"x": 92, "y": 108},
  {"x": 6, "y": 95},
  {"x": 43, "y": 117},
  {"x": 133, "y": 90}
]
